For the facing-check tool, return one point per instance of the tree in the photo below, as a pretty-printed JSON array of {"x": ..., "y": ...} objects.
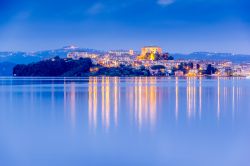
[
  {"x": 165, "y": 56},
  {"x": 198, "y": 66},
  {"x": 210, "y": 70},
  {"x": 54, "y": 67},
  {"x": 157, "y": 67},
  {"x": 190, "y": 65},
  {"x": 170, "y": 58}
]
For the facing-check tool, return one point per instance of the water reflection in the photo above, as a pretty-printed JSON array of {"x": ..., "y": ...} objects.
[
  {"x": 73, "y": 103},
  {"x": 141, "y": 102},
  {"x": 200, "y": 97},
  {"x": 94, "y": 118},
  {"x": 144, "y": 95},
  {"x": 176, "y": 97},
  {"x": 106, "y": 96},
  {"x": 218, "y": 98},
  {"x": 116, "y": 82},
  {"x": 106, "y": 103},
  {"x": 191, "y": 97}
]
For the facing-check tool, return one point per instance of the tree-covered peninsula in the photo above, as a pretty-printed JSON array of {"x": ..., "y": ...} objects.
[
  {"x": 57, "y": 67},
  {"x": 54, "y": 67}
]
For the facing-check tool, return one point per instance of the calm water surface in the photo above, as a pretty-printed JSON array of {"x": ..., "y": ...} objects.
[{"x": 124, "y": 121}]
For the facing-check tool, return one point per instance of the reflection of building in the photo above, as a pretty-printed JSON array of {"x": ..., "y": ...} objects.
[{"x": 78, "y": 55}]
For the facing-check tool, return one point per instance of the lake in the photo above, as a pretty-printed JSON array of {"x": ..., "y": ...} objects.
[{"x": 125, "y": 121}]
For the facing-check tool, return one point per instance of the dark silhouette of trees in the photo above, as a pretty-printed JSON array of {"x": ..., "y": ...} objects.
[
  {"x": 170, "y": 58},
  {"x": 198, "y": 66},
  {"x": 210, "y": 69},
  {"x": 54, "y": 67},
  {"x": 164, "y": 56},
  {"x": 157, "y": 67},
  {"x": 122, "y": 71}
]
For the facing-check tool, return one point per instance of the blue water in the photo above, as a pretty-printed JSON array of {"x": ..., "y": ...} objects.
[{"x": 125, "y": 121}]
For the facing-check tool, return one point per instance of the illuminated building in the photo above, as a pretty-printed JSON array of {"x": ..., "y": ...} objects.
[
  {"x": 131, "y": 52},
  {"x": 178, "y": 73},
  {"x": 121, "y": 52},
  {"x": 78, "y": 55},
  {"x": 151, "y": 49},
  {"x": 192, "y": 73},
  {"x": 150, "y": 53},
  {"x": 157, "y": 70}
]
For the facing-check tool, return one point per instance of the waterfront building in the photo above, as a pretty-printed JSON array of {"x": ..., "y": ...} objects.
[
  {"x": 131, "y": 52},
  {"x": 157, "y": 70},
  {"x": 179, "y": 73},
  {"x": 226, "y": 72},
  {"x": 192, "y": 73}
]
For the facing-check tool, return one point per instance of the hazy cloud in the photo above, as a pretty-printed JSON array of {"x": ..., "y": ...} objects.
[{"x": 165, "y": 2}]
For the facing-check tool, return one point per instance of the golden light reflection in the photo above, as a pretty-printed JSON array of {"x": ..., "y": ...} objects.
[
  {"x": 90, "y": 100},
  {"x": 176, "y": 98},
  {"x": 139, "y": 102},
  {"x": 103, "y": 100},
  {"x": 191, "y": 97},
  {"x": 106, "y": 98},
  {"x": 233, "y": 100},
  {"x": 116, "y": 80},
  {"x": 153, "y": 92},
  {"x": 142, "y": 97},
  {"x": 200, "y": 97},
  {"x": 144, "y": 100},
  {"x": 93, "y": 102},
  {"x": 188, "y": 98},
  {"x": 107, "y": 102},
  {"x": 218, "y": 98},
  {"x": 135, "y": 98},
  {"x": 194, "y": 95}
]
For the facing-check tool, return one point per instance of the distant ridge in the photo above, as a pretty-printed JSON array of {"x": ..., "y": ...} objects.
[
  {"x": 20, "y": 57},
  {"x": 235, "y": 58},
  {"x": 29, "y": 57}
]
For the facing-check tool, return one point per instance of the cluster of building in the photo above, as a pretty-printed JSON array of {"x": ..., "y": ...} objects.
[{"x": 159, "y": 63}]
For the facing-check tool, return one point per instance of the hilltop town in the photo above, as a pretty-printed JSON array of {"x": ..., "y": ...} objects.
[
  {"x": 150, "y": 61},
  {"x": 162, "y": 63}
]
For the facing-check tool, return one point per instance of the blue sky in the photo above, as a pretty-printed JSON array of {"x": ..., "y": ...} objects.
[{"x": 176, "y": 25}]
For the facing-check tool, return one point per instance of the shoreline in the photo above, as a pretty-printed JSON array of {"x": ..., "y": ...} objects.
[{"x": 182, "y": 77}]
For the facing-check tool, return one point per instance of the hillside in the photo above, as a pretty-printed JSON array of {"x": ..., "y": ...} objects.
[{"x": 54, "y": 67}]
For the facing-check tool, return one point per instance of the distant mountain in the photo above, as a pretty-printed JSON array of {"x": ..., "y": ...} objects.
[
  {"x": 29, "y": 57},
  {"x": 6, "y": 68},
  {"x": 235, "y": 58},
  {"x": 18, "y": 57}
]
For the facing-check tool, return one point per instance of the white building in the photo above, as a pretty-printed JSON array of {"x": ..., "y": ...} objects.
[{"x": 78, "y": 55}]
